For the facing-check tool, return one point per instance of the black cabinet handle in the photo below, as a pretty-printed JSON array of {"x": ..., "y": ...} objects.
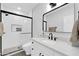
[
  {"x": 32, "y": 42},
  {"x": 55, "y": 39},
  {"x": 42, "y": 55},
  {"x": 32, "y": 49},
  {"x": 48, "y": 37}
]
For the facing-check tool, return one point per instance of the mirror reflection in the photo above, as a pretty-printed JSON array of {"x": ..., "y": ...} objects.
[{"x": 60, "y": 20}]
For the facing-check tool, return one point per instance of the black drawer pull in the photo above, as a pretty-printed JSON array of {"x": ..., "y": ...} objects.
[
  {"x": 32, "y": 49},
  {"x": 32, "y": 42},
  {"x": 42, "y": 55}
]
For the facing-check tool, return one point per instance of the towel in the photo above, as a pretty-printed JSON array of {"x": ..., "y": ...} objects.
[
  {"x": 75, "y": 32},
  {"x": 52, "y": 29},
  {"x": 1, "y": 29}
]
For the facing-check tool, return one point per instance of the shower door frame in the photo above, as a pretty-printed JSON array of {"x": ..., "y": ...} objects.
[{"x": 12, "y": 13}]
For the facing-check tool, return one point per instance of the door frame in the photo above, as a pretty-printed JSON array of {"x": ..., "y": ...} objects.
[{"x": 0, "y": 36}]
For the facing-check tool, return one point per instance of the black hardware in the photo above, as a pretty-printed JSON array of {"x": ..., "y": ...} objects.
[
  {"x": 32, "y": 42},
  {"x": 52, "y": 5},
  {"x": 32, "y": 49},
  {"x": 78, "y": 27},
  {"x": 50, "y": 36},
  {"x": 6, "y": 14},
  {"x": 55, "y": 39},
  {"x": 15, "y": 14},
  {"x": 40, "y": 54}
]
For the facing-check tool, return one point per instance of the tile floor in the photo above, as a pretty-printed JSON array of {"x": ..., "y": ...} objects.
[{"x": 21, "y": 54}]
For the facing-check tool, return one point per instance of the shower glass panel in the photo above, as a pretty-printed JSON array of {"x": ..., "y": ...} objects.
[{"x": 17, "y": 32}]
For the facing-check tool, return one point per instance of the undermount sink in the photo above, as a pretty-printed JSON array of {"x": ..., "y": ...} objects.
[{"x": 58, "y": 41}]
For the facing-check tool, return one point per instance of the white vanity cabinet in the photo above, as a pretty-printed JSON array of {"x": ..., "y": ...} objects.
[{"x": 39, "y": 49}]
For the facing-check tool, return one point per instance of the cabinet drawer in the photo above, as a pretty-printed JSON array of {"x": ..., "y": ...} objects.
[
  {"x": 36, "y": 49},
  {"x": 41, "y": 50},
  {"x": 50, "y": 52},
  {"x": 45, "y": 51}
]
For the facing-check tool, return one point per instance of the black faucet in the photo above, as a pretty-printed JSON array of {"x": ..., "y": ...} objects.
[{"x": 50, "y": 36}]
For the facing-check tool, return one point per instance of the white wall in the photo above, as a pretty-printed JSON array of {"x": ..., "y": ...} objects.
[
  {"x": 76, "y": 11},
  {"x": 62, "y": 18},
  {"x": 38, "y": 11}
]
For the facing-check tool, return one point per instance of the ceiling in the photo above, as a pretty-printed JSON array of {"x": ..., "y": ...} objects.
[{"x": 23, "y": 7}]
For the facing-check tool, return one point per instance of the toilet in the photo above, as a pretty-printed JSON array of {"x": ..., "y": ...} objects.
[{"x": 27, "y": 48}]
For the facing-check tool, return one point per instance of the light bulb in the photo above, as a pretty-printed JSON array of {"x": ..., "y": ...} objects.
[{"x": 19, "y": 8}]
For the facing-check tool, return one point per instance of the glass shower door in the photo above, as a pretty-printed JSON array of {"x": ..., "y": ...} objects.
[{"x": 17, "y": 32}]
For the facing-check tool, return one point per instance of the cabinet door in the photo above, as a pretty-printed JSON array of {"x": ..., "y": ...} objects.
[
  {"x": 34, "y": 52},
  {"x": 35, "y": 49},
  {"x": 43, "y": 50},
  {"x": 47, "y": 51}
]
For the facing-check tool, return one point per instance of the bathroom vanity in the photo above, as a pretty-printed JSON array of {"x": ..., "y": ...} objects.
[
  {"x": 60, "y": 22},
  {"x": 45, "y": 47}
]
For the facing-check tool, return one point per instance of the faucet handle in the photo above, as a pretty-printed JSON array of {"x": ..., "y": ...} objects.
[
  {"x": 55, "y": 38},
  {"x": 48, "y": 37}
]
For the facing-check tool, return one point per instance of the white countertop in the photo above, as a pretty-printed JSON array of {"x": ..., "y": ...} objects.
[{"x": 59, "y": 45}]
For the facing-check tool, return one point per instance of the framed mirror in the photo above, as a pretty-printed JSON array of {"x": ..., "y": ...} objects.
[{"x": 60, "y": 19}]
